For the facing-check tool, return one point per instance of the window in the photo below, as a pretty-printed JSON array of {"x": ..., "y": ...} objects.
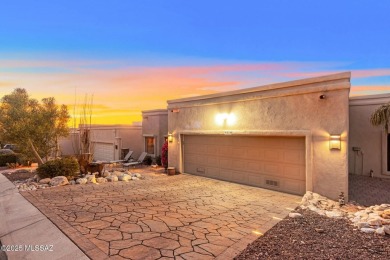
[{"x": 149, "y": 145}]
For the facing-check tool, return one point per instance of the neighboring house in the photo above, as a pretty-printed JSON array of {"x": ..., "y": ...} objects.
[
  {"x": 369, "y": 145},
  {"x": 290, "y": 136},
  {"x": 154, "y": 130},
  {"x": 112, "y": 142},
  {"x": 70, "y": 145}
]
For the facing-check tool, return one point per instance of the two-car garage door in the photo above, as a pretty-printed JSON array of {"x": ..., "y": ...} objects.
[
  {"x": 276, "y": 163},
  {"x": 103, "y": 151}
]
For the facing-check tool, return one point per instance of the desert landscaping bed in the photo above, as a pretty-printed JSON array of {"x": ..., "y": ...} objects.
[{"x": 317, "y": 237}]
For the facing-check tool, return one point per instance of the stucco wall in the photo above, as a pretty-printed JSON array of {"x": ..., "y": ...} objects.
[
  {"x": 121, "y": 136},
  {"x": 367, "y": 137},
  {"x": 70, "y": 145},
  {"x": 291, "y": 108},
  {"x": 155, "y": 123}
]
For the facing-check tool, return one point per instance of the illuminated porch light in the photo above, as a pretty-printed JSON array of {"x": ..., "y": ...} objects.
[
  {"x": 170, "y": 138},
  {"x": 225, "y": 118},
  {"x": 334, "y": 142}
]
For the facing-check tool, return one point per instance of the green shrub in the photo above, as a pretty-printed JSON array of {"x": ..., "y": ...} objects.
[
  {"x": 148, "y": 160},
  {"x": 67, "y": 167},
  {"x": 158, "y": 160},
  {"x": 9, "y": 158}
]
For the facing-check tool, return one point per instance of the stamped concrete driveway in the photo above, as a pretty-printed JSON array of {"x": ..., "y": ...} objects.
[{"x": 163, "y": 217}]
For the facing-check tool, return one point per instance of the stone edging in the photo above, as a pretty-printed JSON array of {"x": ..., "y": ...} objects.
[{"x": 88, "y": 248}]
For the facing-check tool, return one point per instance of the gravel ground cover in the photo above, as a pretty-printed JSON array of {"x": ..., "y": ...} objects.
[{"x": 317, "y": 237}]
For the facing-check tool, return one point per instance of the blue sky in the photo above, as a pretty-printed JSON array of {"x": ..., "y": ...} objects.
[{"x": 45, "y": 43}]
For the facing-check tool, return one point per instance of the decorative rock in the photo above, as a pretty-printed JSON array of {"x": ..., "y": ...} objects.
[
  {"x": 134, "y": 178},
  {"x": 295, "y": 215},
  {"x": 106, "y": 174},
  {"x": 45, "y": 181},
  {"x": 124, "y": 177},
  {"x": 117, "y": 173},
  {"x": 101, "y": 180},
  {"x": 367, "y": 230},
  {"x": 138, "y": 175},
  {"x": 386, "y": 229},
  {"x": 386, "y": 214},
  {"x": 59, "y": 181},
  {"x": 81, "y": 181},
  {"x": 334, "y": 214},
  {"x": 91, "y": 178},
  {"x": 112, "y": 178},
  {"x": 375, "y": 221},
  {"x": 380, "y": 231},
  {"x": 72, "y": 182},
  {"x": 362, "y": 225}
]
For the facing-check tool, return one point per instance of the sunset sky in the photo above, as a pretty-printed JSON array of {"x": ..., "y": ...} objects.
[{"x": 135, "y": 55}]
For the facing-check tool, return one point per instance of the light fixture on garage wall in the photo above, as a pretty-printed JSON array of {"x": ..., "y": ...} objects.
[
  {"x": 225, "y": 119},
  {"x": 334, "y": 142},
  {"x": 170, "y": 138}
]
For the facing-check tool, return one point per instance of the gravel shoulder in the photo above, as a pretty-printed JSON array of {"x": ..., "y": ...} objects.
[{"x": 317, "y": 237}]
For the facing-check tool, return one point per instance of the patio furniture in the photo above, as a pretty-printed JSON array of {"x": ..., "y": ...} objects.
[
  {"x": 139, "y": 161},
  {"x": 126, "y": 159}
]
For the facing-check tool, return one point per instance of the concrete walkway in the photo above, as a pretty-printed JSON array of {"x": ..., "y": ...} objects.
[
  {"x": 25, "y": 233},
  {"x": 163, "y": 217}
]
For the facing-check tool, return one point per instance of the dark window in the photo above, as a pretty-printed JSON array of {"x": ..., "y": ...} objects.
[{"x": 149, "y": 145}]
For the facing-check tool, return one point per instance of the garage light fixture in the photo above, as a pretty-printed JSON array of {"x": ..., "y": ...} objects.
[
  {"x": 225, "y": 119},
  {"x": 335, "y": 142},
  {"x": 170, "y": 138}
]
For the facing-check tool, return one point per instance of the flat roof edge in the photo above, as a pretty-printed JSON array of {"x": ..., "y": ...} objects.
[{"x": 293, "y": 83}]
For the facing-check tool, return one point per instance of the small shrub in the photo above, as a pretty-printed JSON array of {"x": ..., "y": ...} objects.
[
  {"x": 67, "y": 167},
  {"x": 148, "y": 160},
  {"x": 9, "y": 158},
  {"x": 158, "y": 160}
]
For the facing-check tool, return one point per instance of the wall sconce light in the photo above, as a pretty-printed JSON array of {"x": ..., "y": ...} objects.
[
  {"x": 170, "y": 138},
  {"x": 335, "y": 142},
  {"x": 225, "y": 118}
]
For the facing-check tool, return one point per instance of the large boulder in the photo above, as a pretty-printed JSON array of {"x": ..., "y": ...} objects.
[
  {"x": 45, "y": 181},
  {"x": 124, "y": 177},
  {"x": 59, "y": 181},
  {"x": 101, "y": 180},
  {"x": 91, "y": 178},
  {"x": 81, "y": 181},
  {"x": 386, "y": 214},
  {"x": 112, "y": 178}
]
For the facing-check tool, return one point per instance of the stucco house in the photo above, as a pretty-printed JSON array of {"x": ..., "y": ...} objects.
[
  {"x": 290, "y": 136},
  {"x": 112, "y": 142}
]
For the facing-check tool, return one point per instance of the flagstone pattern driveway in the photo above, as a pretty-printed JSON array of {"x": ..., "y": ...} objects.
[{"x": 163, "y": 217}]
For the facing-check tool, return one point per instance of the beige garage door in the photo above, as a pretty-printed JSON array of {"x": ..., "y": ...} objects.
[
  {"x": 103, "y": 151},
  {"x": 276, "y": 163}
]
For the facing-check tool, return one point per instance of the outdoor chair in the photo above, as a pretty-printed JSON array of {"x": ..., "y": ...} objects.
[
  {"x": 126, "y": 159},
  {"x": 139, "y": 161}
]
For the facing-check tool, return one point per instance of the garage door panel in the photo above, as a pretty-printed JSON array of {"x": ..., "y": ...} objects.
[
  {"x": 238, "y": 164},
  {"x": 212, "y": 150},
  {"x": 226, "y": 151},
  {"x": 103, "y": 151},
  {"x": 294, "y": 172},
  {"x": 225, "y": 163},
  {"x": 294, "y": 156},
  {"x": 272, "y": 168},
  {"x": 276, "y": 163},
  {"x": 255, "y": 153},
  {"x": 273, "y": 155},
  {"x": 254, "y": 166},
  {"x": 239, "y": 152}
]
